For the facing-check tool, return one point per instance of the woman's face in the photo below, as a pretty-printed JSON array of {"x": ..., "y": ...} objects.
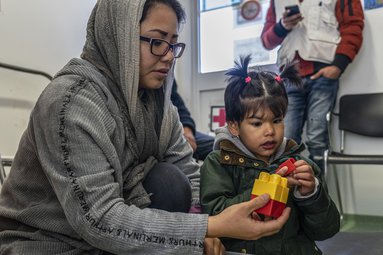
[
  {"x": 261, "y": 132},
  {"x": 160, "y": 22}
]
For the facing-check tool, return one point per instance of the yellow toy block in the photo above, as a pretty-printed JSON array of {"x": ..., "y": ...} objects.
[{"x": 274, "y": 185}]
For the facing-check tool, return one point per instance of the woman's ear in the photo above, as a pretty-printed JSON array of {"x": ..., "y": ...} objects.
[{"x": 233, "y": 128}]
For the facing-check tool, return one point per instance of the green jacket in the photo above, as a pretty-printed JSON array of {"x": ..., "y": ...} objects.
[{"x": 227, "y": 178}]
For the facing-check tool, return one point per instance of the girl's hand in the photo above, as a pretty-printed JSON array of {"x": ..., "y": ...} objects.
[
  {"x": 291, "y": 182},
  {"x": 303, "y": 177}
]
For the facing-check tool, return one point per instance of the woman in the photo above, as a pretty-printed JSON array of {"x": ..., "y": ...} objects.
[{"x": 102, "y": 138}]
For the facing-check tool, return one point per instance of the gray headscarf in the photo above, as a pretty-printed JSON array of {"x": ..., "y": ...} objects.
[{"x": 113, "y": 46}]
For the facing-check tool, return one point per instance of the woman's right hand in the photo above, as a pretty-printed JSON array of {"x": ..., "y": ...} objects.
[{"x": 237, "y": 221}]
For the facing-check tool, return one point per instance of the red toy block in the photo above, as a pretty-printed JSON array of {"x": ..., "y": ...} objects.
[
  {"x": 273, "y": 208},
  {"x": 290, "y": 165}
]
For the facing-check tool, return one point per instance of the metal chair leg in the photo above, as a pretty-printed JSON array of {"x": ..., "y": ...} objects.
[
  {"x": 338, "y": 194},
  {"x": 325, "y": 161},
  {"x": 2, "y": 171},
  {"x": 337, "y": 188}
]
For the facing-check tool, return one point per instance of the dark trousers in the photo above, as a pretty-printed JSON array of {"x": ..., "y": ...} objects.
[{"x": 170, "y": 188}]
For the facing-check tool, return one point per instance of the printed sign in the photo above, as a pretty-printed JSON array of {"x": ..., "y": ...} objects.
[{"x": 217, "y": 117}]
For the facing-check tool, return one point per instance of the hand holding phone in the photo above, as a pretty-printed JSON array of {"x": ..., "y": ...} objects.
[{"x": 292, "y": 10}]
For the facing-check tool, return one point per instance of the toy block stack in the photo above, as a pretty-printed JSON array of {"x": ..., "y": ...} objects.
[{"x": 276, "y": 186}]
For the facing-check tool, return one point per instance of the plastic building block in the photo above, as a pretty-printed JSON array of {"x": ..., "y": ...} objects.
[
  {"x": 290, "y": 165},
  {"x": 272, "y": 208},
  {"x": 276, "y": 187}
]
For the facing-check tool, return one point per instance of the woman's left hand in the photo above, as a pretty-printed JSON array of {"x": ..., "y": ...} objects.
[{"x": 213, "y": 246}]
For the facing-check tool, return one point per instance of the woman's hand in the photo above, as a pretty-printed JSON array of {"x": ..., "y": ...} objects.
[
  {"x": 213, "y": 246},
  {"x": 237, "y": 221}
]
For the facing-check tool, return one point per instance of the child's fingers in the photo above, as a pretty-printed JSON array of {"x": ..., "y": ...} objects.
[
  {"x": 306, "y": 187},
  {"x": 300, "y": 162},
  {"x": 302, "y": 168},
  {"x": 306, "y": 183},
  {"x": 282, "y": 171},
  {"x": 291, "y": 181},
  {"x": 304, "y": 176}
]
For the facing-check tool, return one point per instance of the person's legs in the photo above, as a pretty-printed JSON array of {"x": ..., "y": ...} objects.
[
  {"x": 170, "y": 188},
  {"x": 204, "y": 145},
  {"x": 296, "y": 112},
  {"x": 321, "y": 100}
]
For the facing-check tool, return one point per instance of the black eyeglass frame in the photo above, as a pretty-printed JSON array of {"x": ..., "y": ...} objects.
[{"x": 171, "y": 46}]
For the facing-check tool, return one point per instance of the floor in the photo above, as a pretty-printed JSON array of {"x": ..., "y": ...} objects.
[{"x": 359, "y": 235}]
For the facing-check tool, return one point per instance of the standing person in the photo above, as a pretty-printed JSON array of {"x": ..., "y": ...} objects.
[
  {"x": 253, "y": 142},
  {"x": 202, "y": 144},
  {"x": 103, "y": 151},
  {"x": 323, "y": 38}
]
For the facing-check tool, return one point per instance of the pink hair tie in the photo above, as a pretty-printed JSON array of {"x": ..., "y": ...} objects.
[
  {"x": 278, "y": 78},
  {"x": 248, "y": 79}
]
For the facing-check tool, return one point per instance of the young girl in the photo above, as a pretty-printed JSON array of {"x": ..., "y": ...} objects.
[{"x": 253, "y": 142}]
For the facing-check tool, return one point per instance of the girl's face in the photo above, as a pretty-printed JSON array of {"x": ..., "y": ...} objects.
[
  {"x": 160, "y": 22},
  {"x": 261, "y": 132}
]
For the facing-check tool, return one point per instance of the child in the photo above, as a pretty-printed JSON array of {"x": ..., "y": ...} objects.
[{"x": 253, "y": 142}]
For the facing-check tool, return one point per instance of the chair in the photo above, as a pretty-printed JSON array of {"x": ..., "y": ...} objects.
[
  {"x": 7, "y": 161},
  {"x": 361, "y": 114},
  {"x": 4, "y": 161}
]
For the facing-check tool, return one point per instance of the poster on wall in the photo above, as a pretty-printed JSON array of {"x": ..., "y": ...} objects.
[
  {"x": 372, "y": 4},
  {"x": 217, "y": 117}
]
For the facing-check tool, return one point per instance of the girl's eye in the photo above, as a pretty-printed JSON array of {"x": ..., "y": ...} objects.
[
  {"x": 256, "y": 124},
  {"x": 278, "y": 120}
]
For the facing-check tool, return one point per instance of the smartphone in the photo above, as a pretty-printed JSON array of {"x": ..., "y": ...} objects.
[{"x": 294, "y": 9}]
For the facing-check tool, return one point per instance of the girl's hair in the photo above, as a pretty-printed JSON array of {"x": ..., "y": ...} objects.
[
  {"x": 249, "y": 92},
  {"x": 174, "y": 4}
]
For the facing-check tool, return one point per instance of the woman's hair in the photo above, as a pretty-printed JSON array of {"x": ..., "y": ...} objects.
[
  {"x": 174, "y": 4},
  {"x": 249, "y": 92}
]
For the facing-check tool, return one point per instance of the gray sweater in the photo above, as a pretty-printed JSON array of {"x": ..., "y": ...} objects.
[
  {"x": 75, "y": 186},
  {"x": 66, "y": 186}
]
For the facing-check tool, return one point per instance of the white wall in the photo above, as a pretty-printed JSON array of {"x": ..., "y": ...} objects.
[
  {"x": 361, "y": 187},
  {"x": 38, "y": 34}
]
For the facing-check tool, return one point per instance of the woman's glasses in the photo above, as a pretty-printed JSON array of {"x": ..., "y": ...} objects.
[{"x": 159, "y": 47}]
